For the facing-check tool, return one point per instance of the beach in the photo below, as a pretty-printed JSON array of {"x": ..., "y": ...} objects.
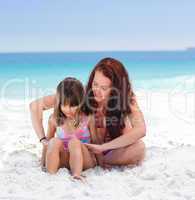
[
  {"x": 44, "y": 42},
  {"x": 167, "y": 171},
  {"x": 165, "y": 94}
]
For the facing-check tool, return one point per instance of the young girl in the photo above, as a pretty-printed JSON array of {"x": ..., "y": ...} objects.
[{"x": 72, "y": 128}]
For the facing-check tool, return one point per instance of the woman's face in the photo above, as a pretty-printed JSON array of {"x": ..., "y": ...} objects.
[{"x": 101, "y": 87}]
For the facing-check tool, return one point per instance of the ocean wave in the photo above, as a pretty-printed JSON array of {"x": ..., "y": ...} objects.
[{"x": 179, "y": 83}]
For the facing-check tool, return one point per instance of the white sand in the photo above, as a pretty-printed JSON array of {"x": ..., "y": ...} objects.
[{"x": 167, "y": 173}]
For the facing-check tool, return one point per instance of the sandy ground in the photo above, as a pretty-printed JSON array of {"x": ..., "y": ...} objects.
[{"x": 167, "y": 173}]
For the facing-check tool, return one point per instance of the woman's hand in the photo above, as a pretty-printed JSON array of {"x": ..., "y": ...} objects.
[{"x": 95, "y": 148}]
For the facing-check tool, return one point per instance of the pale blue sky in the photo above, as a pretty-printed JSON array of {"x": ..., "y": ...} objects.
[{"x": 63, "y": 25}]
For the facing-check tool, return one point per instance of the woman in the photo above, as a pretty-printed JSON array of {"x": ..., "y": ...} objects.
[{"x": 119, "y": 123}]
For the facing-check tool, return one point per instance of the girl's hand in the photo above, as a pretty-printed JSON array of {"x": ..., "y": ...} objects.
[
  {"x": 45, "y": 142},
  {"x": 95, "y": 148}
]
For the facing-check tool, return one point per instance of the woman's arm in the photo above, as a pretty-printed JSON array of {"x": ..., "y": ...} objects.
[
  {"x": 36, "y": 108},
  {"x": 95, "y": 140},
  {"x": 93, "y": 131},
  {"x": 135, "y": 129}
]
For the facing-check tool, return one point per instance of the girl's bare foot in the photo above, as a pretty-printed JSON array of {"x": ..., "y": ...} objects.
[{"x": 79, "y": 177}]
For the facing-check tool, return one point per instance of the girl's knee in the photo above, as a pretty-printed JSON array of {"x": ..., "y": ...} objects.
[
  {"x": 75, "y": 145},
  {"x": 75, "y": 142},
  {"x": 54, "y": 143}
]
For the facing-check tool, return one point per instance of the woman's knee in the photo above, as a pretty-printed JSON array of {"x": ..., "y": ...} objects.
[
  {"x": 143, "y": 150},
  {"x": 140, "y": 148}
]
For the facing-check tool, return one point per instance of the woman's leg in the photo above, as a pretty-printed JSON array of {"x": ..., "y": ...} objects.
[
  {"x": 130, "y": 155},
  {"x": 56, "y": 156}
]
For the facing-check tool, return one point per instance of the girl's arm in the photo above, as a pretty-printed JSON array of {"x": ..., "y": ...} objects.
[
  {"x": 135, "y": 129},
  {"x": 51, "y": 129},
  {"x": 36, "y": 108}
]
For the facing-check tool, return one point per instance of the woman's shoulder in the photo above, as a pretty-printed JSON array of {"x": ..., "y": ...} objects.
[
  {"x": 133, "y": 102},
  {"x": 131, "y": 97}
]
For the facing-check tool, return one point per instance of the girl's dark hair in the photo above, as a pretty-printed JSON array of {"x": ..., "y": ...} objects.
[
  {"x": 70, "y": 92},
  {"x": 118, "y": 106}
]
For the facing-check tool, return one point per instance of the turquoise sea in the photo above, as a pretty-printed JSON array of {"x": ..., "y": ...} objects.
[{"x": 37, "y": 74}]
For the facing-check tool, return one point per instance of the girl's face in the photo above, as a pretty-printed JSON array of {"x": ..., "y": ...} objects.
[
  {"x": 69, "y": 111},
  {"x": 101, "y": 87}
]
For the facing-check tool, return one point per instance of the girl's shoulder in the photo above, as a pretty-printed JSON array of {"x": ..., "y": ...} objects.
[{"x": 87, "y": 118}]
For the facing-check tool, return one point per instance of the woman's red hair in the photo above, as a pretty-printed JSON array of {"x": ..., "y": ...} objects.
[{"x": 118, "y": 106}]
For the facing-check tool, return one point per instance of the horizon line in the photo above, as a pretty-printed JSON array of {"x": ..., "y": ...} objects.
[{"x": 96, "y": 51}]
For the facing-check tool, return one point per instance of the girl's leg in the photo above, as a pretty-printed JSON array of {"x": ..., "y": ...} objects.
[
  {"x": 89, "y": 160},
  {"x": 80, "y": 157},
  {"x": 56, "y": 156},
  {"x": 76, "y": 157},
  {"x": 130, "y": 155}
]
